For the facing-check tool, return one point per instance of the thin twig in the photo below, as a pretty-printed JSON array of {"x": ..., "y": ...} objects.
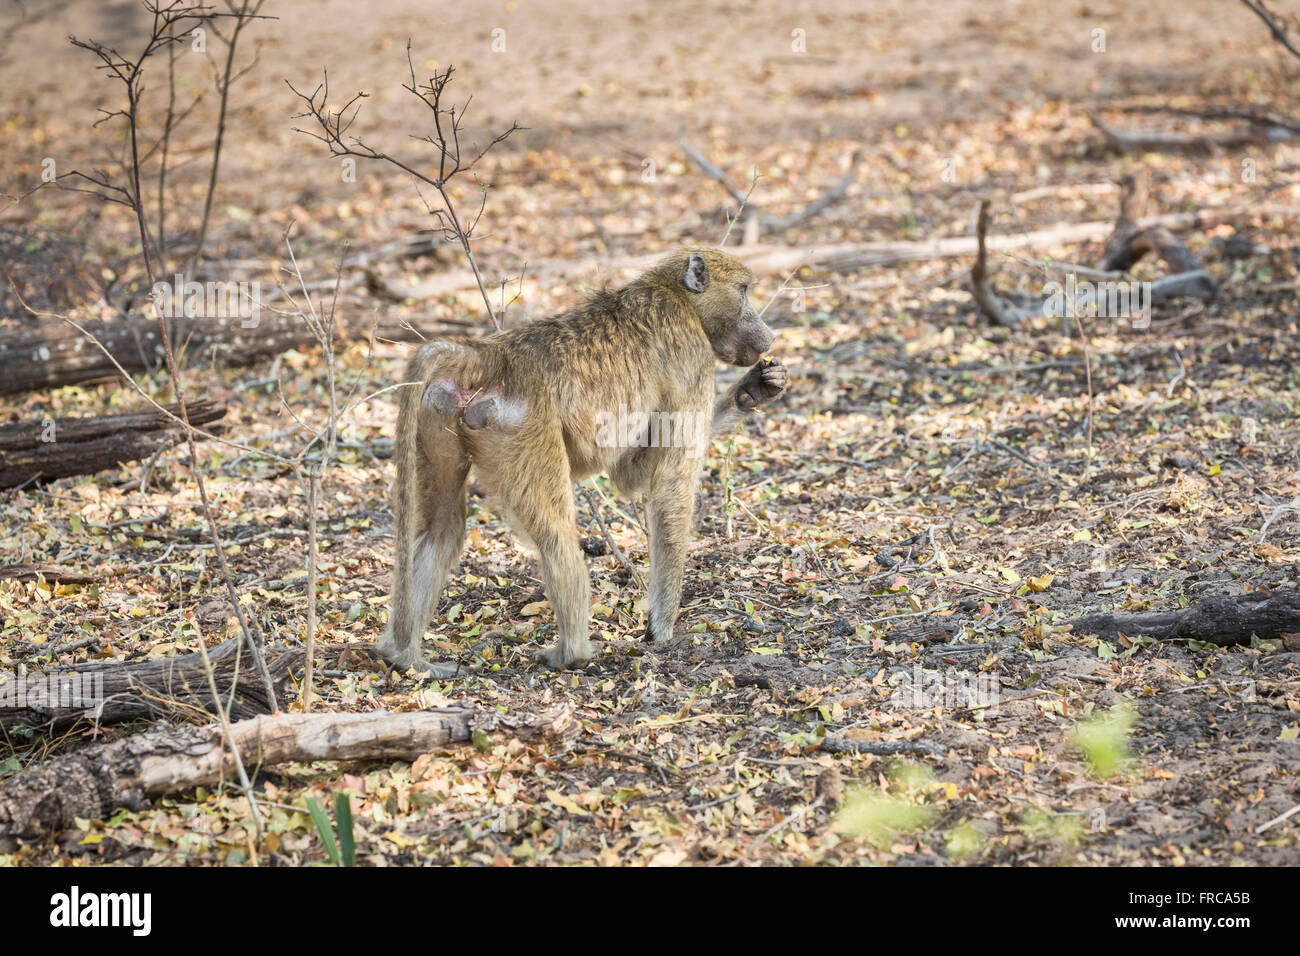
[
  {"x": 130, "y": 74},
  {"x": 447, "y": 122},
  {"x": 1271, "y": 21},
  {"x": 223, "y": 715},
  {"x": 613, "y": 546},
  {"x": 247, "y": 12}
]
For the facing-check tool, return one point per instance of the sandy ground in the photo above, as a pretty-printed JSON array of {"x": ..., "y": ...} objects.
[
  {"x": 602, "y": 77},
  {"x": 875, "y": 464}
]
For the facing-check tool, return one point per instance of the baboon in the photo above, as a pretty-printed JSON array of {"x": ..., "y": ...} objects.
[{"x": 529, "y": 409}]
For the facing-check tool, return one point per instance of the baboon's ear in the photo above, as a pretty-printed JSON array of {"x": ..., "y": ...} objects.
[{"x": 697, "y": 273}]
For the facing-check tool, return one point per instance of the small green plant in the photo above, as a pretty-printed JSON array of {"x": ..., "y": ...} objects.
[
  {"x": 1103, "y": 739},
  {"x": 880, "y": 817},
  {"x": 1046, "y": 824},
  {"x": 340, "y": 851},
  {"x": 965, "y": 840}
]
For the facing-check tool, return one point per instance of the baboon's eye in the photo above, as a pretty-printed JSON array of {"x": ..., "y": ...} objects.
[{"x": 744, "y": 289}]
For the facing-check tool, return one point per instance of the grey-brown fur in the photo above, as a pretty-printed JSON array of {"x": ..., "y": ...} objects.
[{"x": 522, "y": 406}]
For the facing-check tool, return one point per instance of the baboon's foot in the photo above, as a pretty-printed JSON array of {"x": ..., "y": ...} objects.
[
  {"x": 658, "y": 635},
  {"x": 560, "y": 657},
  {"x": 412, "y": 659}
]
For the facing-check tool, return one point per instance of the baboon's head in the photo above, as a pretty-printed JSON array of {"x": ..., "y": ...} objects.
[{"x": 717, "y": 285}]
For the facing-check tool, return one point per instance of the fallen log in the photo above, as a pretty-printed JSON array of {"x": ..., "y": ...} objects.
[
  {"x": 47, "y": 353},
  {"x": 1129, "y": 242},
  {"x": 1154, "y": 141},
  {"x": 128, "y": 773},
  {"x": 155, "y": 688},
  {"x": 1218, "y": 620},
  {"x": 846, "y": 257},
  {"x": 835, "y": 743},
  {"x": 1197, "y": 284},
  {"x": 1257, "y": 116},
  {"x": 50, "y": 355},
  {"x": 58, "y": 447},
  {"x": 990, "y": 304},
  {"x": 50, "y": 572},
  {"x": 767, "y": 259}
]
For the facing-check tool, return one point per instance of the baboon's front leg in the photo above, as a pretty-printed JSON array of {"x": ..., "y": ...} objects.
[
  {"x": 669, "y": 506},
  {"x": 529, "y": 472},
  {"x": 762, "y": 383}
]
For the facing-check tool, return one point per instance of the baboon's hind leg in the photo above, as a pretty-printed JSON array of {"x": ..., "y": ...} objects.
[
  {"x": 429, "y": 507},
  {"x": 540, "y": 499}
]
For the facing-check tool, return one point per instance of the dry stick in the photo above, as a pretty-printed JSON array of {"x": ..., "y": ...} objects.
[
  {"x": 131, "y": 80},
  {"x": 732, "y": 220},
  {"x": 309, "y": 671},
  {"x": 223, "y": 715},
  {"x": 798, "y": 811},
  {"x": 243, "y": 16},
  {"x": 326, "y": 340},
  {"x": 463, "y": 237},
  {"x": 1270, "y": 20},
  {"x": 334, "y": 125},
  {"x": 164, "y": 144},
  {"x": 821, "y": 203},
  {"x": 727, "y": 488},
  {"x": 609, "y": 539},
  {"x": 1245, "y": 113},
  {"x": 254, "y": 642},
  {"x": 1087, "y": 368},
  {"x": 775, "y": 295},
  {"x": 1049, "y": 264},
  {"x": 1277, "y": 513},
  {"x": 985, "y": 298},
  {"x": 633, "y": 519},
  {"x": 1282, "y": 818},
  {"x": 324, "y": 332},
  {"x": 712, "y": 171},
  {"x": 1154, "y": 140}
]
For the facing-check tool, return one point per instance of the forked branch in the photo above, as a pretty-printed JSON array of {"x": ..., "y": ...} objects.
[{"x": 448, "y": 124}]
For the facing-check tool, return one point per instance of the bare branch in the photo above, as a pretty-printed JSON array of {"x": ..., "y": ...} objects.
[
  {"x": 168, "y": 26},
  {"x": 1280, "y": 33},
  {"x": 334, "y": 126}
]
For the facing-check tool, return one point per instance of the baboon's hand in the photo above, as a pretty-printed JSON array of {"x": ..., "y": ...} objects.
[{"x": 762, "y": 383}]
